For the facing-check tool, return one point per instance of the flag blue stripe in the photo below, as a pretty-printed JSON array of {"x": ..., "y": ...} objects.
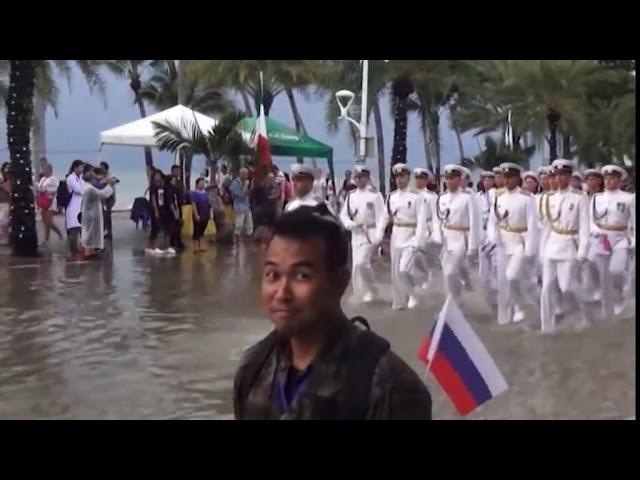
[{"x": 455, "y": 352}]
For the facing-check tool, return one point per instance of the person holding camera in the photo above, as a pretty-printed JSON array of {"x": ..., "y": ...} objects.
[
  {"x": 109, "y": 203},
  {"x": 92, "y": 219}
]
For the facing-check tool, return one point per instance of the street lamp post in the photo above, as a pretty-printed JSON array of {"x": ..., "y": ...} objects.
[{"x": 345, "y": 99}]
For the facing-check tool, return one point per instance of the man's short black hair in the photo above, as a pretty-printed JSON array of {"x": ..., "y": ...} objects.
[
  {"x": 104, "y": 166},
  {"x": 306, "y": 223}
]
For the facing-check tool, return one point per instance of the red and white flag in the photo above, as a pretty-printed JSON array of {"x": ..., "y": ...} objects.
[{"x": 262, "y": 146}]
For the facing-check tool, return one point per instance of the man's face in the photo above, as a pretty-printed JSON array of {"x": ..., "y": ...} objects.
[
  {"x": 593, "y": 183},
  {"x": 563, "y": 178},
  {"x": 488, "y": 183},
  {"x": 402, "y": 180},
  {"x": 175, "y": 172},
  {"x": 544, "y": 182},
  {"x": 347, "y": 176},
  {"x": 612, "y": 181},
  {"x": 362, "y": 180},
  {"x": 302, "y": 185},
  {"x": 576, "y": 183},
  {"x": 531, "y": 184},
  {"x": 453, "y": 182},
  {"x": 244, "y": 174},
  {"x": 79, "y": 169},
  {"x": 499, "y": 180},
  {"x": 421, "y": 182},
  {"x": 553, "y": 182},
  {"x": 298, "y": 291},
  {"x": 511, "y": 180}
]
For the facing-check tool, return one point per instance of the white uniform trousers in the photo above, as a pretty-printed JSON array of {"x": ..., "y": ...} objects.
[
  {"x": 363, "y": 277},
  {"x": 402, "y": 275},
  {"x": 556, "y": 274},
  {"x": 452, "y": 264},
  {"x": 514, "y": 284}
]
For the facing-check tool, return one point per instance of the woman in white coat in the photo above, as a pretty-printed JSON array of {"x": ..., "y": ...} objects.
[
  {"x": 95, "y": 192},
  {"x": 75, "y": 186}
]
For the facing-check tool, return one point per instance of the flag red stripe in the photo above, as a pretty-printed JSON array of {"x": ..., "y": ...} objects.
[
  {"x": 264, "y": 151},
  {"x": 449, "y": 380}
]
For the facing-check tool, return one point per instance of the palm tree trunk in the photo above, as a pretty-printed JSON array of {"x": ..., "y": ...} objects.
[
  {"x": 38, "y": 133},
  {"x": 553, "y": 118},
  {"x": 399, "y": 150},
  {"x": 566, "y": 146},
  {"x": 433, "y": 120},
  {"x": 456, "y": 130},
  {"x": 297, "y": 119},
  {"x": 247, "y": 103},
  {"x": 377, "y": 117},
  {"x": 24, "y": 236},
  {"x": 426, "y": 138},
  {"x": 183, "y": 91}
]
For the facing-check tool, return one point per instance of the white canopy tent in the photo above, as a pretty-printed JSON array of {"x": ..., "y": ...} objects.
[{"x": 140, "y": 132}]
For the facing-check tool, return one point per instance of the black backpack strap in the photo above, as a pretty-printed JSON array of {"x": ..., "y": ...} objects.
[
  {"x": 257, "y": 357},
  {"x": 366, "y": 352}
]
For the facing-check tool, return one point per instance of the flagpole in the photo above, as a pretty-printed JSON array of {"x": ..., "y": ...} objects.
[{"x": 437, "y": 333}]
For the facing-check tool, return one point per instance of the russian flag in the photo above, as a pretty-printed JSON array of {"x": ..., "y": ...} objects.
[{"x": 460, "y": 362}]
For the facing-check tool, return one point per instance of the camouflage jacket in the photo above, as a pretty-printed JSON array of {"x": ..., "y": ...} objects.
[{"x": 396, "y": 393}]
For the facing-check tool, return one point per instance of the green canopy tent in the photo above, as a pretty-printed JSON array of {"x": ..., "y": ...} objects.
[{"x": 287, "y": 142}]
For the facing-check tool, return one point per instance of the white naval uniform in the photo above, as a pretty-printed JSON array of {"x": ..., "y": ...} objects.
[
  {"x": 360, "y": 215},
  {"x": 427, "y": 252},
  {"x": 486, "y": 257},
  {"x": 309, "y": 199},
  {"x": 513, "y": 227},
  {"x": 457, "y": 229},
  {"x": 567, "y": 219},
  {"x": 612, "y": 235},
  {"x": 404, "y": 209}
]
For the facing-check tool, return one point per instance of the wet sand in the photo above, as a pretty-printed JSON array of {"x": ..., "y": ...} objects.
[{"x": 133, "y": 337}]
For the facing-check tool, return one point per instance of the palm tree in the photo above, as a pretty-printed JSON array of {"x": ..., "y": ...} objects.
[
  {"x": 161, "y": 91},
  {"x": 495, "y": 153},
  {"x": 133, "y": 71},
  {"x": 46, "y": 94},
  {"x": 401, "y": 88},
  {"x": 222, "y": 142},
  {"x": 19, "y": 103}
]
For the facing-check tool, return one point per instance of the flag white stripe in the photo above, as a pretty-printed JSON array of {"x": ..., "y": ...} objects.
[
  {"x": 475, "y": 349},
  {"x": 437, "y": 332}
]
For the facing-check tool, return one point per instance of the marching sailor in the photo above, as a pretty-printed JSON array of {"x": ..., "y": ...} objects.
[
  {"x": 427, "y": 253},
  {"x": 613, "y": 226},
  {"x": 403, "y": 208},
  {"x": 360, "y": 214},
  {"x": 499, "y": 179},
  {"x": 303, "y": 177},
  {"x": 487, "y": 264},
  {"x": 457, "y": 226},
  {"x": 567, "y": 217},
  {"x": 513, "y": 226},
  {"x": 591, "y": 279},
  {"x": 530, "y": 182}
]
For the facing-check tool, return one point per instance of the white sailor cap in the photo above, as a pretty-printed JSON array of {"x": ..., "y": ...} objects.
[
  {"x": 467, "y": 172},
  {"x": 511, "y": 167},
  {"x": 609, "y": 169},
  {"x": 562, "y": 165},
  {"x": 422, "y": 172},
  {"x": 487, "y": 173},
  {"x": 400, "y": 168},
  {"x": 578, "y": 175},
  {"x": 592, "y": 171},
  {"x": 496, "y": 170},
  {"x": 544, "y": 170},
  {"x": 361, "y": 169},
  {"x": 301, "y": 169},
  {"x": 530, "y": 174},
  {"x": 453, "y": 169}
]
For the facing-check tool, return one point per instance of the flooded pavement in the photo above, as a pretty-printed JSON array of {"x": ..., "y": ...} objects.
[{"x": 134, "y": 337}]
